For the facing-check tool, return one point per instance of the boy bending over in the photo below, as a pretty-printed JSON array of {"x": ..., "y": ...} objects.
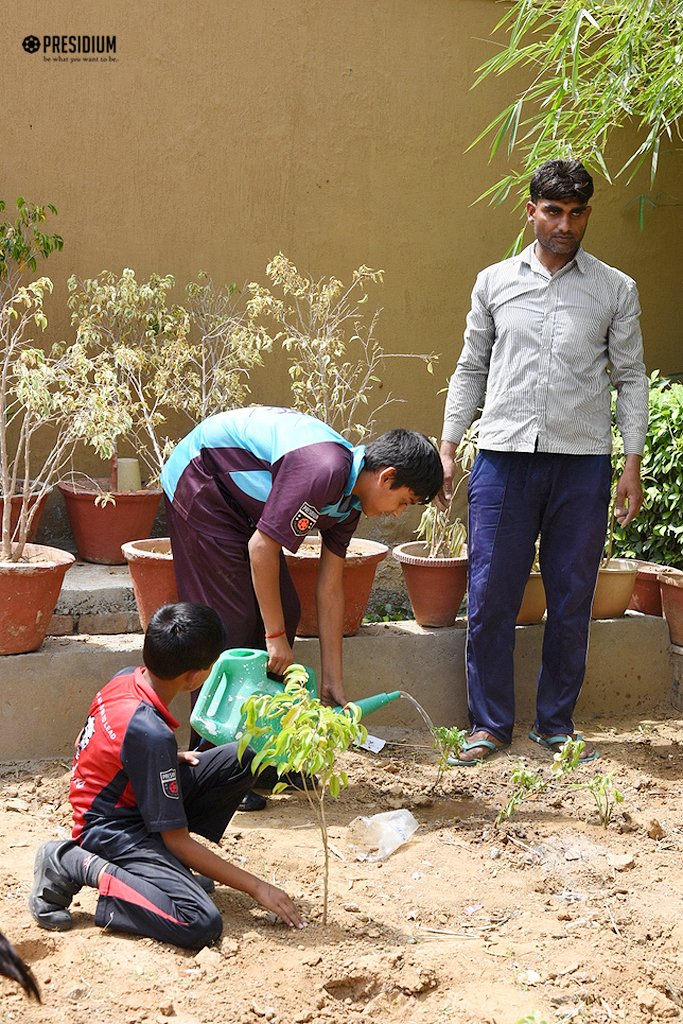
[{"x": 136, "y": 799}]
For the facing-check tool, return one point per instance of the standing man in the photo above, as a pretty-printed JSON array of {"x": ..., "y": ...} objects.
[{"x": 549, "y": 332}]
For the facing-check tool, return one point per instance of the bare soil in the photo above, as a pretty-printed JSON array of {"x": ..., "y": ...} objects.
[{"x": 549, "y": 917}]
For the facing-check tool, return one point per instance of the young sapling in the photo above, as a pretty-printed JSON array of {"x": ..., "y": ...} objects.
[
  {"x": 606, "y": 795},
  {"x": 529, "y": 783},
  {"x": 294, "y": 732},
  {"x": 448, "y": 741}
]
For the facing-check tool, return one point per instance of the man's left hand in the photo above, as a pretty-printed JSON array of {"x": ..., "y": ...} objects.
[{"x": 629, "y": 491}]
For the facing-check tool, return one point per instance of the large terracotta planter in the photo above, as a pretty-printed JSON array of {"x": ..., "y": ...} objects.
[
  {"x": 150, "y": 563},
  {"x": 646, "y": 597},
  {"x": 436, "y": 586},
  {"x": 100, "y": 529},
  {"x": 16, "y": 511},
  {"x": 671, "y": 589},
  {"x": 614, "y": 588},
  {"x": 533, "y": 604},
  {"x": 360, "y": 565},
  {"x": 28, "y": 594}
]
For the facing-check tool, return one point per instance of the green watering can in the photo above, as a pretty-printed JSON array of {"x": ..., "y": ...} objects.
[{"x": 237, "y": 675}]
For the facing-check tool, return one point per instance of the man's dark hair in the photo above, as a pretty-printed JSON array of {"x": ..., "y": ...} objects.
[
  {"x": 413, "y": 456},
  {"x": 561, "y": 179},
  {"x": 182, "y": 637}
]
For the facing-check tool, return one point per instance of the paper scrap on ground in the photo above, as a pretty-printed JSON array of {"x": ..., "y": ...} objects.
[{"x": 373, "y": 743}]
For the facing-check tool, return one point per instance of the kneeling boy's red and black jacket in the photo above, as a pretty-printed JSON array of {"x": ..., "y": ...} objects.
[{"x": 124, "y": 779}]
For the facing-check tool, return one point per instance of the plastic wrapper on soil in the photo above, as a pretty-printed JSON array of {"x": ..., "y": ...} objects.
[{"x": 376, "y": 837}]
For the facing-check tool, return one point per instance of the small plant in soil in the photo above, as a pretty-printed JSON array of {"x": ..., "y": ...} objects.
[
  {"x": 606, "y": 795},
  {"x": 528, "y": 784},
  {"x": 302, "y": 735},
  {"x": 449, "y": 741}
]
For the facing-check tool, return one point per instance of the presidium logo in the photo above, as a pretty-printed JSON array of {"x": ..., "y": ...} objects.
[{"x": 72, "y": 49}]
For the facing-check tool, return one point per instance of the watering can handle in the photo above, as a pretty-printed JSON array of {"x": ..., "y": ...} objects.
[{"x": 222, "y": 665}]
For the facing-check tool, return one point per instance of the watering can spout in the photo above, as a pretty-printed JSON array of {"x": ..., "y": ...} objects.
[{"x": 373, "y": 703}]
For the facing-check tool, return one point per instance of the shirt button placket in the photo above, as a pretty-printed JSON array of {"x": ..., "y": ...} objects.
[{"x": 549, "y": 314}]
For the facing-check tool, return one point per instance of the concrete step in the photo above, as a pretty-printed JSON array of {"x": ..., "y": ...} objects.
[
  {"x": 95, "y": 599},
  {"x": 44, "y": 696}
]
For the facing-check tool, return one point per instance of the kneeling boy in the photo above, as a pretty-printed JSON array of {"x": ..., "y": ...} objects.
[{"x": 136, "y": 799}]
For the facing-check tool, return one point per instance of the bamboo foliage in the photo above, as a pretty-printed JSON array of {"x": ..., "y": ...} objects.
[{"x": 594, "y": 67}]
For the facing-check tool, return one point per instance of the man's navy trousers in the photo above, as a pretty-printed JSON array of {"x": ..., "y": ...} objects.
[{"x": 514, "y": 497}]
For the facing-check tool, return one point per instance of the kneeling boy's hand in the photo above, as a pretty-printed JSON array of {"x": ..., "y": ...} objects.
[
  {"x": 277, "y": 900},
  {"x": 187, "y": 757}
]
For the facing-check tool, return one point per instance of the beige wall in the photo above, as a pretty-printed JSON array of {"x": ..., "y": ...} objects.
[{"x": 333, "y": 131}]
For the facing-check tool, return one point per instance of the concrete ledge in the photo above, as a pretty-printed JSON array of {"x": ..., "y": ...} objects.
[
  {"x": 96, "y": 599},
  {"x": 44, "y": 696},
  {"x": 629, "y": 668}
]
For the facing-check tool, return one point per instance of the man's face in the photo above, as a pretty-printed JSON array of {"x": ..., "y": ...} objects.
[{"x": 559, "y": 224}]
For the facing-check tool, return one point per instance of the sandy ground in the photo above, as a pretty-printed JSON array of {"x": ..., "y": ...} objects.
[{"x": 549, "y": 917}]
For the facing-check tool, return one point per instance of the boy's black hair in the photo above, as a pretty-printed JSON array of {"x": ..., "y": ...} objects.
[
  {"x": 561, "y": 179},
  {"x": 181, "y": 638},
  {"x": 413, "y": 456}
]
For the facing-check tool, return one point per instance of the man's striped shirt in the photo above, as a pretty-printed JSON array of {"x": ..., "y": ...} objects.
[{"x": 541, "y": 351}]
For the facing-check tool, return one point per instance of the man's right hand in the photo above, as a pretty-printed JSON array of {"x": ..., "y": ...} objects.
[
  {"x": 447, "y": 452},
  {"x": 277, "y": 900}
]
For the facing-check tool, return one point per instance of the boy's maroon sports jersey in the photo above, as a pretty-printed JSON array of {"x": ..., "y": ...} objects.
[{"x": 124, "y": 778}]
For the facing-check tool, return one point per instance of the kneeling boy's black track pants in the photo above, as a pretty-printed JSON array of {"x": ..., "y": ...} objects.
[{"x": 148, "y": 891}]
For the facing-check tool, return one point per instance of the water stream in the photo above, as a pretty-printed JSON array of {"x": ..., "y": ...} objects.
[{"x": 418, "y": 707}]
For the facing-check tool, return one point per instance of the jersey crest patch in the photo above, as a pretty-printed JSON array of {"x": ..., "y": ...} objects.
[
  {"x": 304, "y": 520},
  {"x": 169, "y": 784}
]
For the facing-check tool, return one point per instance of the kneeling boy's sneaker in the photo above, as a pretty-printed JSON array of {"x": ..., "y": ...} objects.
[
  {"x": 204, "y": 882},
  {"x": 53, "y": 889}
]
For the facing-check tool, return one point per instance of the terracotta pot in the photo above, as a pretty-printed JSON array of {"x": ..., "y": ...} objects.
[
  {"x": 533, "y": 604},
  {"x": 671, "y": 589},
  {"x": 436, "y": 586},
  {"x": 150, "y": 563},
  {"x": 16, "y": 511},
  {"x": 614, "y": 588},
  {"x": 28, "y": 595},
  {"x": 360, "y": 566},
  {"x": 646, "y": 597},
  {"x": 100, "y": 530}
]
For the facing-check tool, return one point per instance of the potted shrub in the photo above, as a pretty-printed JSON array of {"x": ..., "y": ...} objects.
[
  {"x": 532, "y": 608},
  {"x": 335, "y": 362},
  {"x": 435, "y": 566},
  {"x": 48, "y": 405},
  {"x": 201, "y": 373},
  {"x": 360, "y": 565},
  {"x": 616, "y": 578},
  {"x": 654, "y": 536},
  {"x": 138, "y": 345},
  {"x": 671, "y": 590}
]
